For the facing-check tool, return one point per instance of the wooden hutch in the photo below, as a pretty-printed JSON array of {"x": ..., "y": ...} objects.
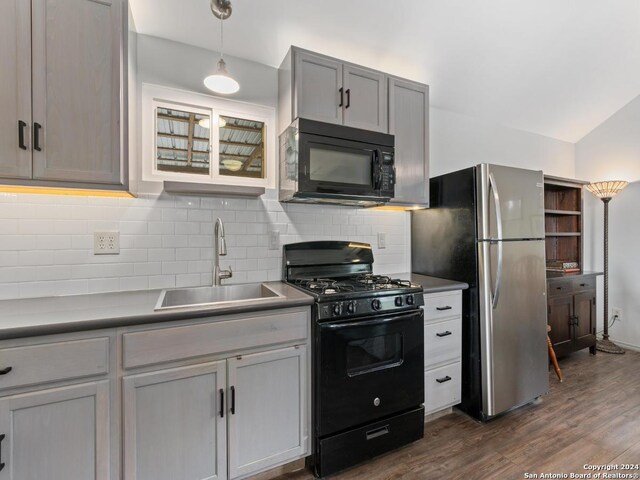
[{"x": 571, "y": 296}]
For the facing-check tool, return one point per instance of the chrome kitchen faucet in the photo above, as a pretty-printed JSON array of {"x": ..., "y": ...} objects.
[{"x": 220, "y": 249}]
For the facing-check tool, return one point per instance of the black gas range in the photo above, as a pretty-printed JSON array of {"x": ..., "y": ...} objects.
[{"x": 368, "y": 353}]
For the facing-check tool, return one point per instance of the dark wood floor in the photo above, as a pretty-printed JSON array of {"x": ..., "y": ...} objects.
[{"x": 593, "y": 417}]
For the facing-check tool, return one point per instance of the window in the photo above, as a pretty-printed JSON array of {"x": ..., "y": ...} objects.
[{"x": 190, "y": 137}]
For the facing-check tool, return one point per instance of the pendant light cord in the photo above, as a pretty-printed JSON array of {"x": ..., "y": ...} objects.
[{"x": 221, "y": 39}]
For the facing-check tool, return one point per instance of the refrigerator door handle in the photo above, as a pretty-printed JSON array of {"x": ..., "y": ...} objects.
[{"x": 496, "y": 200}]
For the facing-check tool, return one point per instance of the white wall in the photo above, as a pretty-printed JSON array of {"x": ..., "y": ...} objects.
[
  {"x": 611, "y": 152},
  {"x": 459, "y": 141}
]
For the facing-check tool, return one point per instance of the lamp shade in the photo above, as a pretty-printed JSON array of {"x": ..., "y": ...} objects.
[
  {"x": 221, "y": 82},
  {"x": 607, "y": 190}
]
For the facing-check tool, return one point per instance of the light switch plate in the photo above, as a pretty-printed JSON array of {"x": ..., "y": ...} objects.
[
  {"x": 382, "y": 240},
  {"x": 106, "y": 243}
]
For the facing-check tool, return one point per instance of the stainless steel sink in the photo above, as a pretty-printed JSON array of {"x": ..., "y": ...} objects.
[{"x": 211, "y": 296}]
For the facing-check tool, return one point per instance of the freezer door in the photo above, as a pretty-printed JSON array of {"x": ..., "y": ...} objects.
[
  {"x": 510, "y": 204},
  {"x": 513, "y": 324}
]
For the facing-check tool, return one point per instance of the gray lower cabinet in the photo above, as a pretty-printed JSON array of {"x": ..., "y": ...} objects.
[
  {"x": 409, "y": 123},
  {"x": 62, "y": 92},
  {"x": 267, "y": 424},
  {"x": 57, "y": 434},
  {"x": 175, "y": 424}
]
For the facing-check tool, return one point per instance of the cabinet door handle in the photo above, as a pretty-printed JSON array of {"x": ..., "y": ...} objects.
[
  {"x": 442, "y": 309},
  {"x": 233, "y": 400},
  {"x": 443, "y": 379},
  {"x": 21, "y": 127},
  {"x": 1, "y": 464},
  {"x": 443, "y": 334},
  {"x": 222, "y": 403},
  {"x": 4, "y": 371},
  {"x": 348, "y": 98},
  {"x": 341, "y": 90},
  {"x": 36, "y": 137}
]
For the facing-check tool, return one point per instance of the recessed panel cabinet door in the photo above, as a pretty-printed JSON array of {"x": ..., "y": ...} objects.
[
  {"x": 56, "y": 434},
  {"x": 585, "y": 312},
  {"x": 267, "y": 420},
  {"x": 409, "y": 123},
  {"x": 15, "y": 88},
  {"x": 317, "y": 85},
  {"x": 174, "y": 426},
  {"x": 560, "y": 320},
  {"x": 365, "y": 97},
  {"x": 76, "y": 70}
]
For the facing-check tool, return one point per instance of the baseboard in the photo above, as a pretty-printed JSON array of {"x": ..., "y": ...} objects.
[
  {"x": 434, "y": 416},
  {"x": 281, "y": 470},
  {"x": 628, "y": 346}
]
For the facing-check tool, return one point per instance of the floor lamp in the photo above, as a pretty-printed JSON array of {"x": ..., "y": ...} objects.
[{"x": 605, "y": 191}]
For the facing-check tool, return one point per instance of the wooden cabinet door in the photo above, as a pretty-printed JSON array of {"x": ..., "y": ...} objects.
[
  {"x": 560, "y": 319},
  {"x": 585, "y": 322},
  {"x": 15, "y": 88},
  {"x": 409, "y": 122},
  {"x": 175, "y": 424},
  {"x": 76, "y": 90},
  {"x": 57, "y": 434},
  {"x": 365, "y": 98},
  {"x": 318, "y": 81},
  {"x": 267, "y": 420}
]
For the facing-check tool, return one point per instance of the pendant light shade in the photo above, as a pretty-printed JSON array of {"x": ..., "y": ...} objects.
[
  {"x": 221, "y": 81},
  {"x": 608, "y": 189}
]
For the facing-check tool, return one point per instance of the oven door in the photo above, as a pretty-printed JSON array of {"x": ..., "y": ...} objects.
[
  {"x": 368, "y": 369},
  {"x": 336, "y": 166}
]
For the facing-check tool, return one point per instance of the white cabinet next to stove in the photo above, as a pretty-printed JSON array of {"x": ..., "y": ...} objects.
[{"x": 442, "y": 350}]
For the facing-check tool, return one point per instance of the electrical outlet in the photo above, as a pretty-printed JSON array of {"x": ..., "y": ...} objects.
[
  {"x": 106, "y": 243},
  {"x": 616, "y": 312},
  {"x": 382, "y": 240},
  {"x": 274, "y": 240}
]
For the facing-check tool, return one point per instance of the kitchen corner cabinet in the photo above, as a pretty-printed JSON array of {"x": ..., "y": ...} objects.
[
  {"x": 409, "y": 123},
  {"x": 62, "y": 101},
  {"x": 572, "y": 313},
  {"x": 322, "y": 88}
]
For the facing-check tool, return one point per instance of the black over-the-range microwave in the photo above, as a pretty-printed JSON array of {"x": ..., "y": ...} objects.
[{"x": 326, "y": 163}]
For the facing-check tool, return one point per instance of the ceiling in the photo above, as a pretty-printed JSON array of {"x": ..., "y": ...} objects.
[{"x": 554, "y": 67}]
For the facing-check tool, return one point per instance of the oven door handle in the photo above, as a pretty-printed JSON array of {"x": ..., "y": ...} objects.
[
  {"x": 368, "y": 323},
  {"x": 376, "y": 168}
]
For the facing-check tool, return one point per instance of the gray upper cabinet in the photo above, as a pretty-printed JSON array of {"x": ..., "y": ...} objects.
[
  {"x": 409, "y": 122},
  {"x": 318, "y": 81},
  {"x": 365, "y": 98},
  {"x": 15, "y": 94},
  {"x": 329, "y": 90},
  {"x": 66, "y": 59}
]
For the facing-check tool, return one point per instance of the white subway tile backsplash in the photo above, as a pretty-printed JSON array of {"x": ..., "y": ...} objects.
[{"x": 46, "y": 242}]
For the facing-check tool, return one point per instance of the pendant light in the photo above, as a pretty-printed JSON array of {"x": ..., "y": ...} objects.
[{"x": 221, "y": 81}]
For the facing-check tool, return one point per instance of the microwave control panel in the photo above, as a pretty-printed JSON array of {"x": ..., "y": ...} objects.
[{"x": 388, "y": 172}]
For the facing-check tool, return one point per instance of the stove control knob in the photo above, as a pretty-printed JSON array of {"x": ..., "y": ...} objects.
[
  {"x": 400, "y": 302},
  {"x": 351, "y": 307},
  {"x": 337, "y": 309},
  {"x": 376, "y": 304},
  {"x": 410, "y": 300}
]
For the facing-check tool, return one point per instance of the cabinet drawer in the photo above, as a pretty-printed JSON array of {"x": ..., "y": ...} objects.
[
  {"x": 582, "y": 284},
  {"x": 51, "y": 362},
  {"x": 442, "y": 387},
  {"x": 442, "y": 342},
  {"x": 181, "y": 343},
  {"x": 438, "y": 306},
  {"x": 560, "y": 287}
]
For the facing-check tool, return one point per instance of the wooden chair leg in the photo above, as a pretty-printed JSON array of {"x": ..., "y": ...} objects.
[{"x": 554, "y": 360}]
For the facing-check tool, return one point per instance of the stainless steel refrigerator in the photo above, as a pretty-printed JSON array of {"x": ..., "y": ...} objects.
[{"x": 486, "y": 227}]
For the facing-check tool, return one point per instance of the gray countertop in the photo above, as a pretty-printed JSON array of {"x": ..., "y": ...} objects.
[
  {"x": 583, "y": 273},
  {"x": 44, "y": 316},
  {"x": 431, "y": 284}
]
